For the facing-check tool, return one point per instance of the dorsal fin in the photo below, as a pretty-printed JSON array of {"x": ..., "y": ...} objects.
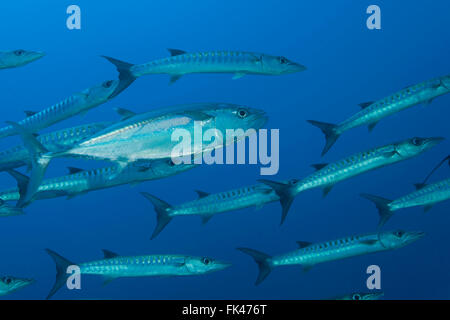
[
  {"x": 319, "y": 166},
  {"x": 29, "y": 113},
  {"x": 176, "y": 52},
  {"x": 365, "y": 104},
  {"x": 109, "y": 254},
  {"x": 125, "y": 113},
  {"x": 202, "y": 194},
  {"x": 303, "y": 244},
  {"x": 73, "y": 170}
]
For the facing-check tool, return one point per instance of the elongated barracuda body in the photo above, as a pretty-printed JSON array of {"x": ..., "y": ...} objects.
[
  {"x": 427, "y": 196},
  {"x": 372, "y": 112},
  {"x": 18, "y": 58},
  {"x": 149, "y": 136},
  {"x": 180, "y": 63},
  {"x": 54, "y": 142},
  {"x": 73, "y": 105},
  {"x": 207, "y": 205},
  {"x": 80, "y": 182},
  {"x": 310, "y": 254},
  {"x": 114, "y": 266},
  {"x": 329, "y": 174},
  {"x": 9, "y": 284}
]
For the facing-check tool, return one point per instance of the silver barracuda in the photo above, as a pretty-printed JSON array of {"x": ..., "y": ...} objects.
[
  {"x": 372, "y": 112},
  {"x": 327, "y": 175},
  {"x": 80, "y": 182},
  {"x": 56, "y": 141},
  {"x": 308, "y": 254},
  {"x": 426, "y": 196},
  {"x": 180, "y": 63},
  {"x": 148, "y": 136},
  {"x": 9, "y": 284},
  {"x": 18, "y": 58},
  {"x": 78, "y": 103},
  {"x": 361, "y": 296},
  {"x": 207, "y": 205},
  {"x": 114, "y": 266}
]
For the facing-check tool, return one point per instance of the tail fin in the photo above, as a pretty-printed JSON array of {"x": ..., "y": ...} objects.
[
  {"x": 61, "y": 271},
  {"x": 284, "y": 191},
  {"x": 382, "y": 205},
  {"x": 126, "y": 77},
  {"x": 162, "y": 216},
  {"x": 330, "y": 134},
  {"x": 39, "y": 164},
  {"x": 263, "y": 262}
]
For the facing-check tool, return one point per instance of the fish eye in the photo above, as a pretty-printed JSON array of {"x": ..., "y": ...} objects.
[
  {"x": 399, "y": 233},
  {"x": 108, "y": 84},
  {"x": 19, "y": 52},
  {"x": 283, "y": 60},
  {"x": 170, "y": 163},
  {"x": 417, "y": 141},
  {"x": 206, "y": 261},
  {"x": 7, "y": 280},
  {"x": 242, "y": 113},
  {"x": 356, "y": 297}
]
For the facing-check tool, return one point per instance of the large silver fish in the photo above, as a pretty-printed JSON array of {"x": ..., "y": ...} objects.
[
  {"x": 309, "y": 254},
  {"x": 78, "y": 103},
  {"x": 148, "y": 136},
  {"x": 18, "y": 58},
  {"x": 80, "y": 182},
  {"x": 372, "y": 112},
  {"x": 9, "y": 284},
  {"x": 56, "y": 141},
  {"x": 115, "y": 266},
  {"x": 327, "y": 175},
  {"x": 180, "y": 63}
]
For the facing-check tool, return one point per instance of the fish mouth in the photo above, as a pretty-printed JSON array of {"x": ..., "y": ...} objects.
[
  {"x": 294, "y": 67},
  {"x": 431, "y": 142},
  {"x": 375, "y": 296},
  {"x": 8, "y": 211},
  {"x": 414, "y": 236},
  {"x": 221, "y": 266},
  {"x": 258, "y": 119}
]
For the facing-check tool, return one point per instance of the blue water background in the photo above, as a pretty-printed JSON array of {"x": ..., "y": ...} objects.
[{"x": 347, "y": 64}]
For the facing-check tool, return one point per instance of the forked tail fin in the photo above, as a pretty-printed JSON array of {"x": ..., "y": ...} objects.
[
  {"x": 284, "y": 192},
  {"x": 382, "y": 205},
  {"x": 263, "y": 262},
  {"x": 329, "y": 130},
  {"x": 39, "y": 164},
  {"x": 126, "y": 77},
  {"x": 162, "y": 214},
  {"x": 61, "y": 271}
]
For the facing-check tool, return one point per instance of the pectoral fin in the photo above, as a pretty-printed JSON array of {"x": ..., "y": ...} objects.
[
  {"x": 174, "y": 78},
  {"x": 238, "y": 76}
]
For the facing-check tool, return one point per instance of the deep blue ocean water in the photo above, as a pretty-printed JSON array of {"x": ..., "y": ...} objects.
[{"x": 347, "y": 64}]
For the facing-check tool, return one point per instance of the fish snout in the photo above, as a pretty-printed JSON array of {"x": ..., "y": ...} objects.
[{"x": 431, "y": 142}]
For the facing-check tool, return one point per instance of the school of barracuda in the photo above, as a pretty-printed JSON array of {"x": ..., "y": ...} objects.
[{"x": 139, "y": 148}]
